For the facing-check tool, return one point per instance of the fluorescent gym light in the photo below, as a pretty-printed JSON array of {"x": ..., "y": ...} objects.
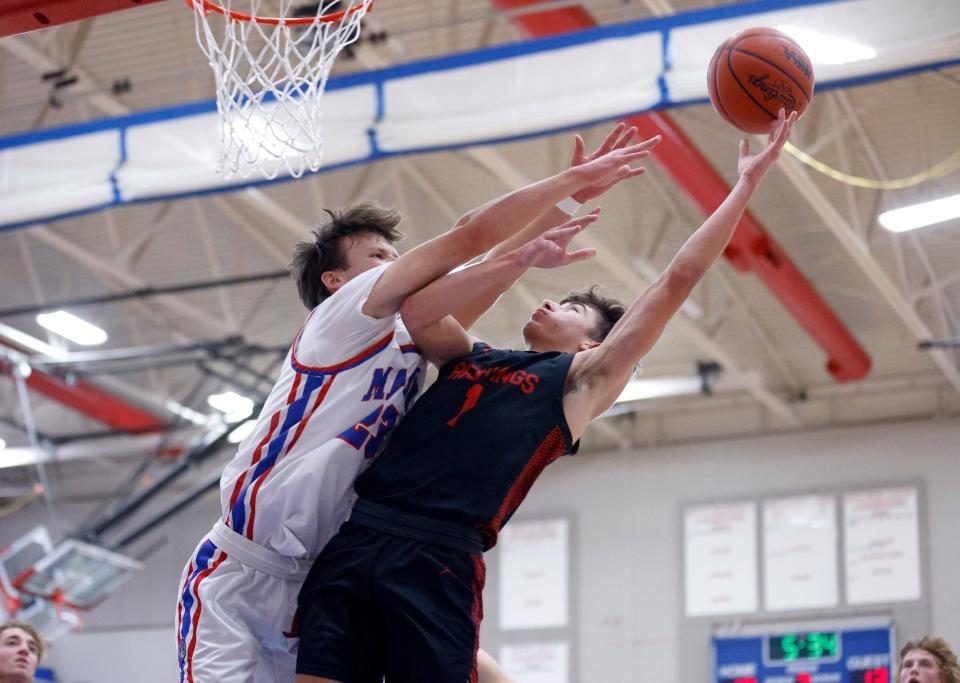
[
  {"x": 242, "y": 432},
  {"x": 921, "y": 215},
  {"x": 232, "y": 404},
  {"x": 827, "y": 49},
  {"x": 186, "y": 413},
  {"x": 640, "y": 389},
  {"x": 3, "y": 444},
  {"x": 69, "y": 326}
]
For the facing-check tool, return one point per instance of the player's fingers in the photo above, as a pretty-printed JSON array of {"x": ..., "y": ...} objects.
[
  {"x": 610, "y": 141},
  {"x": 636, "y": 154},
  {"x": 744, "y": 148},
  {"x": 581, "y": 254},
  {"x": 649, "y": 143},
  {"x": 626, "y": 138},
  {"x": 576, "y": 220},
  {"x": 577, "y": 157},
  {"x": 568, "y": 230}
]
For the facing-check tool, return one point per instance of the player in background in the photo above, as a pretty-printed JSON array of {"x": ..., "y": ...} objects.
[
  {"x": 349, "y": 377},
  {"x": 468, "y": 452}
]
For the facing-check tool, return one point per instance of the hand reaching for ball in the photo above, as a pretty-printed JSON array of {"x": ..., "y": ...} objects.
[{"x": 753, "y": 168}]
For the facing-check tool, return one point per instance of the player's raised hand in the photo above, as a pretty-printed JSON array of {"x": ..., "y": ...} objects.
[
  {"x": 549, "y": 250},
  {"x": 618, "y": 138},
  {"x": 606, "y": 170},
  {"x": 753, "y": 168}
]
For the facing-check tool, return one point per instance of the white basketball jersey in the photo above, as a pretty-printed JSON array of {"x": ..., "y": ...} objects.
[{"x": 345, "y": 384}]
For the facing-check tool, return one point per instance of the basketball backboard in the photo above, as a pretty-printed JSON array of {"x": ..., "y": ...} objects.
[
  {"x": 76, "y": 574},
  {"x": 17, "y": 558}
]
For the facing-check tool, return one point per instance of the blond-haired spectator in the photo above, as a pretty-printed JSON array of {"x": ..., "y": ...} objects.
[{"x": 928, "y": 660}]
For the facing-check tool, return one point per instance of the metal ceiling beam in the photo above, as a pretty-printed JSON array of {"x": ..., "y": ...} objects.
[
  {"x": 101, "y": 265},
  {"x": 751, "y": 248},
  {"x": 857, "y": 248},
  {"x": 107, "y": 447},
  {"x": 83, "y": 397}
]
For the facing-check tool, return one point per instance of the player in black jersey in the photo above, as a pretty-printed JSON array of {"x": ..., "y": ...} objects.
[{"x": 397, "y": 592}]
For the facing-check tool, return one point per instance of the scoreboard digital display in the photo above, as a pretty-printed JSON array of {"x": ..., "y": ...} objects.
[
  {"x": 810, "y": 646},
  {"x": 850, "y": 655}
]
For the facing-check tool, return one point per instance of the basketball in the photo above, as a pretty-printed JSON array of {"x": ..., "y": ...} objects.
[{"x": 756, "y": 72}]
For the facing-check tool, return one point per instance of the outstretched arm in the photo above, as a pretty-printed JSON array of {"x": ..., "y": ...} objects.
[
  {"x": 598, "y": 375},
  {"x": 487, "y": 226},
  {"x": 469, "y": 310},
  {"x": 439, "y": 336}
]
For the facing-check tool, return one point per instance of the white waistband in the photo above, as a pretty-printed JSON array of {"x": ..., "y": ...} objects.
[{"x": 255, "y": 555}]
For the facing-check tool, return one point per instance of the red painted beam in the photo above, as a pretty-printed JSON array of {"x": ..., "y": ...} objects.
[
  {"x": 751, "y": 248},
  {"x": 21, "y": 16},
  {"x": 90, "y": 401}
]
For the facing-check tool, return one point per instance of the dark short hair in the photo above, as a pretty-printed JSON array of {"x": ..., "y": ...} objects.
[
  {"x": 312, "y": 258},
  {"x": 608, "y": 309},
  {"x": 37, "y": 638}
]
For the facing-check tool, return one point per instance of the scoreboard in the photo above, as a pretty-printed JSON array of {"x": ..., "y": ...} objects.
[{"x": 815, "y": 655}]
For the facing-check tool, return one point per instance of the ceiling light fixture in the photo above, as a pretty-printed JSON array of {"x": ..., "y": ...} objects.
[
  {"x": 242, "y": 432},
  {"x": 69, "y": 326},
  {"x": 235, "y": 407},
  {"x": 826, "y": 49},
  {"x": 921, "y": 215}
]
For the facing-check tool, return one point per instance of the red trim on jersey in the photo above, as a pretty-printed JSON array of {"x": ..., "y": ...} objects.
[
  {"x": 371, "y": 350},
  {"x": 552, "y": 447},
  {"x": 292, "y": 396},
  {"x": 321, "y": 394},
  {"x": 476, "y": 609},
  {"x": 180, "y": 604},
  {"x": 196, "y": 615},
  {"x": 274, "y": 421}
]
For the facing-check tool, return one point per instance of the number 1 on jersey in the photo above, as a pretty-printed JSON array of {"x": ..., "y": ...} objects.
[{"x": 473, "y": 395}]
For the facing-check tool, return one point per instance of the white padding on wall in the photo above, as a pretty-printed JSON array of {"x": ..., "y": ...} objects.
[
  {"x": 470, "y": 98},
  {"x": 189, "y": 144},
  {"x": 55, "y": 177},
  {"x": 522, "y": 94}
]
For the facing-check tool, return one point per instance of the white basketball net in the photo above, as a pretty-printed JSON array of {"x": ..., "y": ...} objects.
[{"x": 270, "y": 78}]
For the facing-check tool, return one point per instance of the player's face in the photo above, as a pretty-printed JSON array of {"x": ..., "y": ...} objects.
[
  {"x": 362, "y": 252},
  {"x": 561, "y": 327},
  {"x": 919, "y": 666},
  {"x": 18, "y": 655}
]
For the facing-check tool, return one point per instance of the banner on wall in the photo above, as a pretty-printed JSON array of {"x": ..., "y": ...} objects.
[
  {"x": 882, "y": 545},
  {"x": 534, "y": 574},
  {"x": 800, "y": 553},
  {"x": 720, "y": 559}
]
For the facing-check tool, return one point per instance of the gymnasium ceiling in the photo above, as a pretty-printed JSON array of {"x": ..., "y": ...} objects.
[{"x": 891, "y": 291}]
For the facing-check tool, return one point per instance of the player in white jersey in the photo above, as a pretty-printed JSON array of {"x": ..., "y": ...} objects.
[{"x": 349, "y": 377}]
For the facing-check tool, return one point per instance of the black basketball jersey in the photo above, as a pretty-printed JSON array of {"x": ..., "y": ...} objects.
[{"x": 471, "y": 447}]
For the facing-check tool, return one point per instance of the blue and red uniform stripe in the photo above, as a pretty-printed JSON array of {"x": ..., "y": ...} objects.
[{"x": 190, "y": 606}]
